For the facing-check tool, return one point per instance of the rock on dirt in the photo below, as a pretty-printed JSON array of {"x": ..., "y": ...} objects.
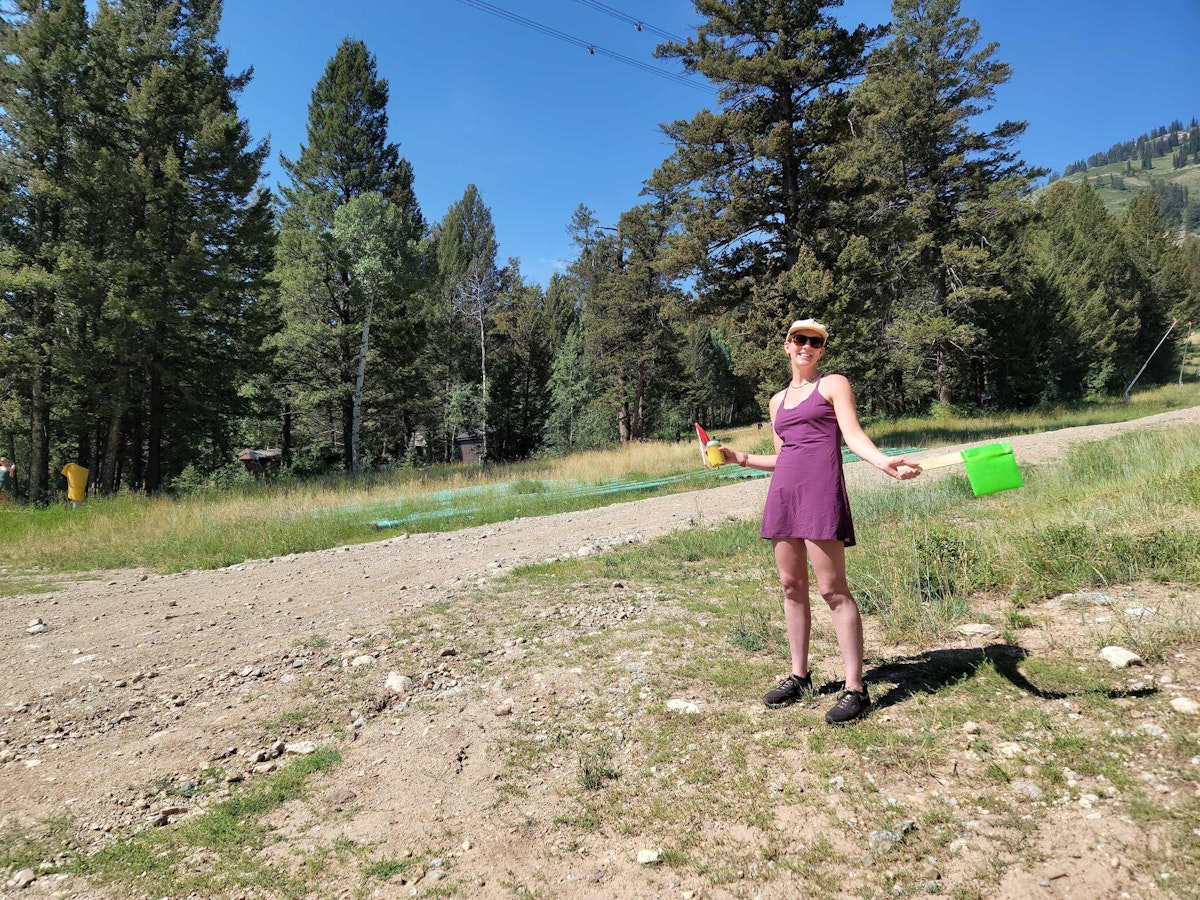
[{"x": 1120, "y": 658}]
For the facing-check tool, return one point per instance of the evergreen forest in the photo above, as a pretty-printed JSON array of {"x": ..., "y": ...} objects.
[{"x": 163, "y": 308}]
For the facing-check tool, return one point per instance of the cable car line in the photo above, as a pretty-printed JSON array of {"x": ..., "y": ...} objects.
[
  {"x": 639, "y": 24},
  {"x": 591, "y": 48}
]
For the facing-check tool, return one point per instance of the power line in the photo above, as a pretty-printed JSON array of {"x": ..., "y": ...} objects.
[
  {"x": 639, "y": 24},
  {"x": 591, "y": 48}
]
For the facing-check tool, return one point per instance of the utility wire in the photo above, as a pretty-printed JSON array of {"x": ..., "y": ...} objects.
[
  {"x": 586, "y": 45},
  {"x": 639, "y": 24}
]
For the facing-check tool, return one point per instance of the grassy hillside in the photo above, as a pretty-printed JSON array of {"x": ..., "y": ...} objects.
[{"x": 1116, "y": 200}]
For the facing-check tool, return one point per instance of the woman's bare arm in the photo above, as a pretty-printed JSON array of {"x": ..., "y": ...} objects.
[{"x": 836, "y": 389}]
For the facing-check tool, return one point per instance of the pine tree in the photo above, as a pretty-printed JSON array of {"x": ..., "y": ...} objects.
[
  {"x": 348, "y": 155},
  {"x": 570, "y": 395},
  {"x": 1162, "y": 286},
  {"x": 42, "y": 71},
  {"x": 761, "y": 168},
  {"x": 945, "y": 196},
  {"x": 630, "y": 348},
  {"x": 520, "y": 367},
  {"x": 468, "y": 282}
]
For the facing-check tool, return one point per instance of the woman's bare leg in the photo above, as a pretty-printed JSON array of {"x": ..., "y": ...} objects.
[
  {"x": 792, "y": 562},
  {"x": 829, "y": 566}
]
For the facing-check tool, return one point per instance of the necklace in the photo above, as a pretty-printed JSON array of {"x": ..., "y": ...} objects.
[{"x": 804, "y": 383}]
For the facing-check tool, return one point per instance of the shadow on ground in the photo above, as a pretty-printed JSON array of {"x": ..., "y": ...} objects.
[{"x": 930, "y": 672}]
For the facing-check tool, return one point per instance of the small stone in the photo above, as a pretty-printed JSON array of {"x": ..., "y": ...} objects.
[
  {"x": 1120, "y": 658},
  {"x": 341, "y": 797},
  {"x": 1139, "y": 611},
  {"x": 504, "y": 708},
  {"x": 1025, "y": 788},
  {"x": 36, "y": 629},
  {"x": 1088, "y": 597},
  {"x": 21, "y": 880},
  {"x": 448, "y": 651},
  {"x": 399, "y": 684},
  {"x": 364, "y": 660},
  {"x": 1152, "y": 729},
  {"x": 300, "y": 748},
  {"x": 971, "y": 728},
  {"x": 979, "y": 629},
  {"x": 1185, "y": 705},
  {"x": 683, "y": 706},
  {"x": 882, "y": 841},
  {"x": 649, "y": 857}
]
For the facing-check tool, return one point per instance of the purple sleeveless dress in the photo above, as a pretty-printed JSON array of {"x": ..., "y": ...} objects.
[{"x": 807, "y": 497}]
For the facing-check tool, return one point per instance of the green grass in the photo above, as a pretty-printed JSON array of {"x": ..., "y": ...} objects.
[
  {"x": 216, "y": 528},
  {"x": 230, "y": 835},
  {"x": 956, "y": 426}
]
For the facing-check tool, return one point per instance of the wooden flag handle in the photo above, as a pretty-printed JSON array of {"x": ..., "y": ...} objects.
[{"x": 940, "y": 462}]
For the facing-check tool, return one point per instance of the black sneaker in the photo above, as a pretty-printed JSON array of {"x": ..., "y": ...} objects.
[
  {"x": 789, "y": 691},
  {"x": 850, "y": 706}
]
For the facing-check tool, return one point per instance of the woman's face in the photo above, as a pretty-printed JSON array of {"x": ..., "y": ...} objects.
[{"x": 799, "y": 348}]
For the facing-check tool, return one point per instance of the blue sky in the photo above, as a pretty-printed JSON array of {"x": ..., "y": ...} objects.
[{"x": 540, "y": 125}]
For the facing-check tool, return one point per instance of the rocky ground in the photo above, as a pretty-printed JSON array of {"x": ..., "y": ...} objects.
[{"x": 131, "y": 700}]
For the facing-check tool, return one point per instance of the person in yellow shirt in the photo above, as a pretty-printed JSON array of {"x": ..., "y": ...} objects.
[{"x": 77, "y": 477}]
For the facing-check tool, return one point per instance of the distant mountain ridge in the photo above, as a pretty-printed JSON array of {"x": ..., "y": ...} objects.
[
  {"x": 1174, "y": 141},
  {"x": 1165, "y": 160}
]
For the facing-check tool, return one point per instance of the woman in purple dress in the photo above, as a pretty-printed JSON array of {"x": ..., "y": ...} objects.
[{"x": 807, "y": 514}]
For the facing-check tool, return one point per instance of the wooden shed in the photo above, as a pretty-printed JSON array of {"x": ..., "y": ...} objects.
[
  {"x": 469, "y": 447},
  {"x": 259, "y": 461}
]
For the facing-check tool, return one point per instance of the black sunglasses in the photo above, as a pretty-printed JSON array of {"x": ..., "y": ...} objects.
[{"x": 814, "y": 341}]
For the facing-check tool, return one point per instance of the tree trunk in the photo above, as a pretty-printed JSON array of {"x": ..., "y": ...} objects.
[
  {"x": 356, "y": 415},
  {"x": 347, "y": 432},
  {"x": 157, "y": 417},
  {"x": 112, "y": 453},
  {"x": 39, "y": 403},
  {"x": 483, "y": 370},
  {"x": 943, "y": 377},
  {"x": 638, "y": 401},
  {"x": 287, "y": 434},
  {"x": 622, "y": 412}
]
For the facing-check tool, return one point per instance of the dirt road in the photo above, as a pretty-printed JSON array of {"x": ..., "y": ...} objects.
[{"x": 134, "y": 677}]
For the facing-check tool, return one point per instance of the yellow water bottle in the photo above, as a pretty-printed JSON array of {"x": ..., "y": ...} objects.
[{"x": 713, "y": 451}]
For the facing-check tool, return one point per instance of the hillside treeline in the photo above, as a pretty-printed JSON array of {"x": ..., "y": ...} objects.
[
  {"x": 161, "y": 308},
  {"x": 1181, "y": 144}
]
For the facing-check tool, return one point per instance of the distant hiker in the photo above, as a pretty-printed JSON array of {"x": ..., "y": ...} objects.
[
  {"x": 807, "y": 513},
  {"x": 77, "y": 478},
  {"x": 8, "y": 479}
]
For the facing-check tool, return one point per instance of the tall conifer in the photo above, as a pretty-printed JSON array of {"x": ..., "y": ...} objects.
[
  {"x": 348, "y": 155},
  {"x": 42, "y": 68}
]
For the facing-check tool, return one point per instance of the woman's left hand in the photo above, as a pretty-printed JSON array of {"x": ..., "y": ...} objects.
[{"x": 900, "y": 468}]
